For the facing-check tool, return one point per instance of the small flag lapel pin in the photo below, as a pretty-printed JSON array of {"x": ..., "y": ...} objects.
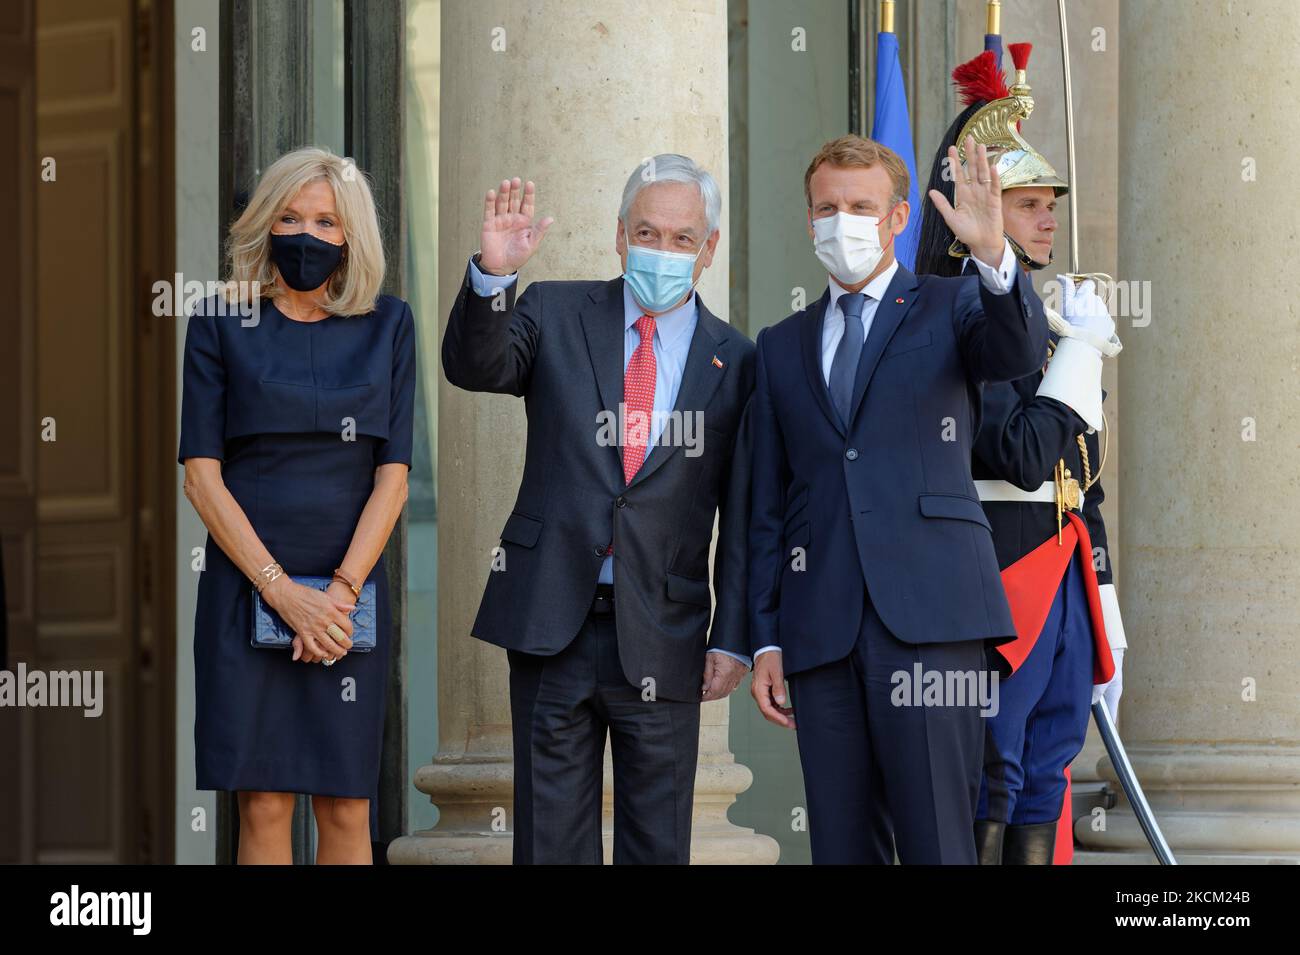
[
  {"x": 717, "y": 362},
  {"x": 898, "y": 301}
]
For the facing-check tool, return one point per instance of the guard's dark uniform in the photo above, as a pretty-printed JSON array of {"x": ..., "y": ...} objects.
[
  {"x": 1025, "y": 444},
  {"x": 1042, "y": 719}
]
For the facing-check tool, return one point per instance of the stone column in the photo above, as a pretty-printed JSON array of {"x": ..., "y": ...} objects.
[
  {"x": 573, "y": 96},
  {"x": 1211, "y": 570}
]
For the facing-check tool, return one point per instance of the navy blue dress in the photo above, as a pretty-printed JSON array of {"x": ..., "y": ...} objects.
[{"x": 300, "y": 414}]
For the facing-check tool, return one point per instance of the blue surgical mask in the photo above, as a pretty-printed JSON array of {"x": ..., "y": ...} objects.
[{"x": 659, "y": 280}]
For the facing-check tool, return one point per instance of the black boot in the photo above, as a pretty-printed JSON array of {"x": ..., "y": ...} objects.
[
  {"x": 1030, "y": 845},
  {"x": 988, "y": 841}
]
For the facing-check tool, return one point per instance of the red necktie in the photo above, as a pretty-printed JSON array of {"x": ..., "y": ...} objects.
[{"x": 638, "y": 398}]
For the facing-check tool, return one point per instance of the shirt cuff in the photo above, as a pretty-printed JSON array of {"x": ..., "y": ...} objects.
[
  {"x": 998, "y": 280},
  {"x": 486, "y": 285},
  {"x": 734, "y": 656},
  {"x": 762, "y": 650}
]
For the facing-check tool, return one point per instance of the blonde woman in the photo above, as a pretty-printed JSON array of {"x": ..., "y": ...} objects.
[{"x": 296, "y": 442}]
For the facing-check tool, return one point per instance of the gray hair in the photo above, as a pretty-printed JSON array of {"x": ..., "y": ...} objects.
[{"x": 671, "y": 167}]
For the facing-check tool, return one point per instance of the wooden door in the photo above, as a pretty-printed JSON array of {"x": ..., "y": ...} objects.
[
  {"x": 101, "y": 784},
  {"x": 18, "y": 422}
]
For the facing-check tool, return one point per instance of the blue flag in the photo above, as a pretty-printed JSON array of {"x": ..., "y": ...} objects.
[
  {"x": 993, "y": 41},
  {"x": 892, "y": 127}
]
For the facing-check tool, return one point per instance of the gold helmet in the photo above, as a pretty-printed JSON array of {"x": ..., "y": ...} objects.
[{"x": 996, "y": 126}]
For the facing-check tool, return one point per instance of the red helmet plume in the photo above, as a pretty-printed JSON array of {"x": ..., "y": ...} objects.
[
  {"x": 1020, "y": 54},
  {"x": 981, "y": 79}
]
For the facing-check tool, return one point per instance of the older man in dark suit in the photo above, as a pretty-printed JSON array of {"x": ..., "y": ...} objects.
[{"x": 600, "y": 591}]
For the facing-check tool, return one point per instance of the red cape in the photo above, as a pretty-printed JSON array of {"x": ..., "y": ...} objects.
[{"x": 1031, "y": 584}]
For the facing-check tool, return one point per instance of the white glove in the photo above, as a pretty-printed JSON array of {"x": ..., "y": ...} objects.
[
  {"x": 1087, "y": 316},
  {"x": 1110, "y": 692},
  {"x": 1084, "y": 309}
]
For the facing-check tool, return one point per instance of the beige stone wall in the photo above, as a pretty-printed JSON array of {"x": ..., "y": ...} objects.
[
  {"x": 1211, "y": 579},
  {"x": 1216, "y": 572}
]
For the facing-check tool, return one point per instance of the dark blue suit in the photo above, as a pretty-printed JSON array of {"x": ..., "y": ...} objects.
[{"x": 870, "y": 554}]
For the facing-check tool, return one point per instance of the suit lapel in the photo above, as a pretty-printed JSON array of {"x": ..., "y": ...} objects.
[
  {"x": 602, "y": 324},
  {"x": 810, "y": 335},
  {"x": 894, "y": 304}
]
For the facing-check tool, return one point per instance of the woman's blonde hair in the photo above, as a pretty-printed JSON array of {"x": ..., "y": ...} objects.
[{"x": 355, "y": 284}]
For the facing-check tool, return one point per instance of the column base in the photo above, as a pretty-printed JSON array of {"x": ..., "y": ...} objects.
[
  {"x": 1184, "y": 858},
  {"x": 1216, "y": 804},
  {"x": 474, "y": 797}
]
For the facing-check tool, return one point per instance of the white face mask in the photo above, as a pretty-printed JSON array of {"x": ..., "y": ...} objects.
[{"x": 848, "y": 245}]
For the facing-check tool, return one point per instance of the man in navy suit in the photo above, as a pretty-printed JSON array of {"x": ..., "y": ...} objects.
[{"x": 873, "y": 581}]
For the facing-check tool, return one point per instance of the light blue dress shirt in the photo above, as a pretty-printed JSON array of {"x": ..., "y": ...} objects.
[{"x": 672, "y": 343}]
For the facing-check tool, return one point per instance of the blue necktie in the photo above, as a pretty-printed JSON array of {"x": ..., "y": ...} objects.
[{"x": 844, "y": 366}]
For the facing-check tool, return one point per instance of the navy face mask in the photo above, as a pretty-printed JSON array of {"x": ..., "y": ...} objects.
[{"x": 305, "y": 262}]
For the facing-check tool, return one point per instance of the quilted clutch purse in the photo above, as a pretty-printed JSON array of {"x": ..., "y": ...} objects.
[{"x": 272, "y": 632}]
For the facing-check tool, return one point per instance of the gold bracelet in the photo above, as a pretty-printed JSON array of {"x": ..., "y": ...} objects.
[
  {"x": 339, "y": 575},
  {"x": 267, "y": 574}
]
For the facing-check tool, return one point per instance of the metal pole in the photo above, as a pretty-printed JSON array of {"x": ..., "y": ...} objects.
[
  {"x": 1072, "y": 197},
  {"x": 857, "y": 109},
  {"x": 1132, "y": 788}
]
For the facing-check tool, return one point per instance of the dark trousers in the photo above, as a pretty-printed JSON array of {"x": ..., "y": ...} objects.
[
  {"x": 1042, "y": 722},
  {"x": 879, "y": 775},
  {"x": 561, "y": 708}
]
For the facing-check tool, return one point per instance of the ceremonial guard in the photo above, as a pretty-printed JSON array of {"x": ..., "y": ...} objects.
[{"x": 1036, "y": 463}]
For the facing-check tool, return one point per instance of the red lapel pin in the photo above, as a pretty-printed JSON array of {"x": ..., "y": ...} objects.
[
  {"x": 717, "y": 362},
  {"x": 899, "y": 301}
]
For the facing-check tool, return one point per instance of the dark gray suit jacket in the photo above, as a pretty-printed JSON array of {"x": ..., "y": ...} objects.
[{"x": 560, "y": 348}]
